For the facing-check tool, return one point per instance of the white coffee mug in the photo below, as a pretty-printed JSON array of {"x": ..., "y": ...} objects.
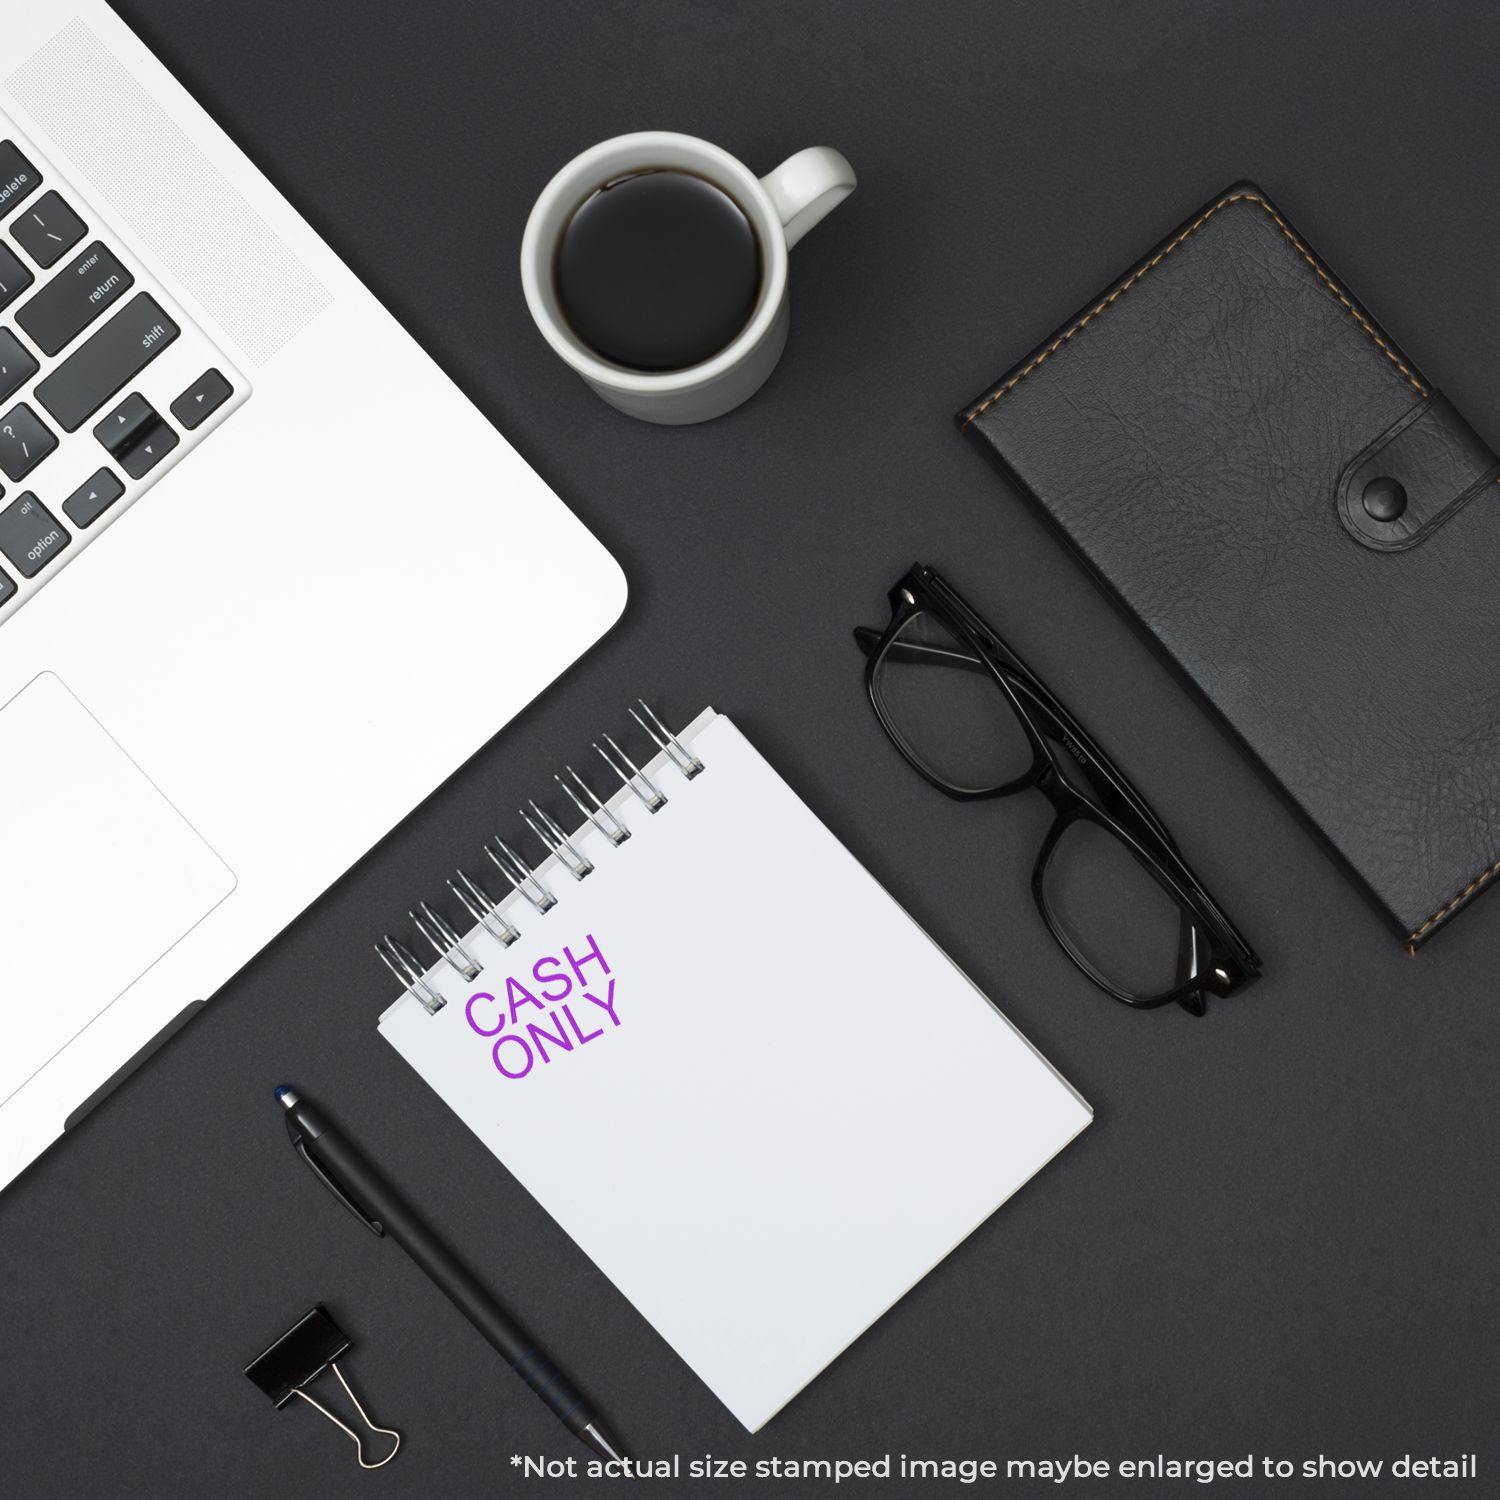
[{"x": 782, "y": 207}]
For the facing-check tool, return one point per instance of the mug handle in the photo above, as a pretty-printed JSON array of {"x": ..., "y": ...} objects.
[{"x": 807, "y": 187}]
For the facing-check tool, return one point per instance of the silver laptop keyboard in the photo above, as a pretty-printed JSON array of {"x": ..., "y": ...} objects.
[{"x": 105, "y": 383}]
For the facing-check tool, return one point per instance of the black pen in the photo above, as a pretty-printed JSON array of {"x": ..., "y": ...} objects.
[{"x": 372, "y": 1200}]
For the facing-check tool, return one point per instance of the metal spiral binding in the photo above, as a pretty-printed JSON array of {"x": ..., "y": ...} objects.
[
  {"x": 445, "y": 941},
  {"x": 637, "y": 780},
  {"x": 404, "y": 967},
  {"x": 558, "y": 844},
  {"x": 600, "y": 815},
  {"x": 481, "y": 906},
  {"x": 561, "y": 846},
  {"x": 520, "y": 874},
  {"x": 668, "y": 743}
]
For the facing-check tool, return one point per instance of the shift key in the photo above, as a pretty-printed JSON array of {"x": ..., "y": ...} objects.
[{"x": 114, "y": 355}]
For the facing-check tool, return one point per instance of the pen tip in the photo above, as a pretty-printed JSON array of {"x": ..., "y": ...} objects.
[
  {"x": 605, "y": 1446},
  {"x": 285, "y": 1096}
]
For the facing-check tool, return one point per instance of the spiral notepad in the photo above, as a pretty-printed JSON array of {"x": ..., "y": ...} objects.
[{"x": 721, "y": 1056}]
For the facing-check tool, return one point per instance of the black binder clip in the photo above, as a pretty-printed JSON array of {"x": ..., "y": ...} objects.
[{"x": 314, "y": 1344}]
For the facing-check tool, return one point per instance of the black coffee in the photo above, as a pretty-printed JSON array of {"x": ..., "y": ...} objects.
[{"x": 658, "y": 270}]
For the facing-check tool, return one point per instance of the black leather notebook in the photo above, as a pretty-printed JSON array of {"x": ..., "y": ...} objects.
[{"x": 1270, "y": 485}]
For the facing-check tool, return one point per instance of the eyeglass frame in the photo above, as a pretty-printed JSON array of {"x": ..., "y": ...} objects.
[{"x": 1230, "y": 963}]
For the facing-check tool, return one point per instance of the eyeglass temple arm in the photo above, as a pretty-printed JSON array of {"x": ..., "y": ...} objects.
[{"x": 868, "y": 639}]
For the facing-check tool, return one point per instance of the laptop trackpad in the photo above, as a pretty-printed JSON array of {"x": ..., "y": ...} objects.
[{"x": 99, "y": 875}]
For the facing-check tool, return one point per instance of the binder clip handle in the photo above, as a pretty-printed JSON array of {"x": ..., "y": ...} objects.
[{"x": 311, "y": 1346}]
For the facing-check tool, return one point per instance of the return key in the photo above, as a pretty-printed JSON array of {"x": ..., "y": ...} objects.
[{"x": 74, "y": 297}]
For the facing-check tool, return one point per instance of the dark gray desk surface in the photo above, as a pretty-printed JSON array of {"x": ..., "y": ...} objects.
[{"x": 1279, "y": 1236}]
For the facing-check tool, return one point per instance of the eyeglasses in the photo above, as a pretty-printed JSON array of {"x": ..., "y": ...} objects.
[{"x": 973, "y": 719}]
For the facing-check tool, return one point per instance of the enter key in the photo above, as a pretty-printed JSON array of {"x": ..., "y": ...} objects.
[{"x": 74, "y": 298}]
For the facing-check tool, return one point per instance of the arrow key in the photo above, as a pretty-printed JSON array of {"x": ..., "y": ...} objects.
[
  {"x": 135, "y": 436},
  {"x": 204, "y": 396},
  {"x": 127, "y": 423},
  {"x": 149, "y": 452},
  {"x": 92, "y": 498}
]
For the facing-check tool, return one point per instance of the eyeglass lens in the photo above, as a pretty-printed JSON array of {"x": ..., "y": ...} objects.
[
  {"x": 960, "y": 725},
  {"x": 1107, "y": 905},
  {"x": 951, "y": 714}
]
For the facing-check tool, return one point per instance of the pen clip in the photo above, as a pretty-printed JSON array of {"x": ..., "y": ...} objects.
[{"x": 373, "y": 1225}]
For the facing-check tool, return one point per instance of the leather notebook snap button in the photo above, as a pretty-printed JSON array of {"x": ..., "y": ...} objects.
[
  {"x": 1415, "y": 477},
  {"x": 1384, "y": 499}
]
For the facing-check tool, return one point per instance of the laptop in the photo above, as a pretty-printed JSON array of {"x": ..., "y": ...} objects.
[{"x": 266, "y": 576}]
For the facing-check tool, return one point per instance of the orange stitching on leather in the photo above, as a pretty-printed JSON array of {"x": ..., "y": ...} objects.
[
  {"x": 1445, "y": 911},
  {"x": 1160, "y": 256},
  {"x": 1484, "y": 877}
]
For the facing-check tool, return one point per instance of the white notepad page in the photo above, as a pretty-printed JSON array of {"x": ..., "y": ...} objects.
[{"x": 788, "y": 1109}]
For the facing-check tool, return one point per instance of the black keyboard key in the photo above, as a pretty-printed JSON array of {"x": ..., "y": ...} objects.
[
  {"x": 121, "y": 429},
  {"x": 135, "y": 436},
  {"x": 25, "y": 440},
  {"x": 29, "y": 536},
  {"x": 7, "y": 587},
  {"x": 18, "y": 178},
  {"x": 146, "y": 454},
  {"x": 74, "y": 298},
  {"x": 115, "y": 353},
  {"x": 14, "y": 277},
  {"x": 92, "y": 498},
  {"x": 48, "y": 230},
  {"x": 201, "y": 399},
  {"x": 16, "y": 365}
]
